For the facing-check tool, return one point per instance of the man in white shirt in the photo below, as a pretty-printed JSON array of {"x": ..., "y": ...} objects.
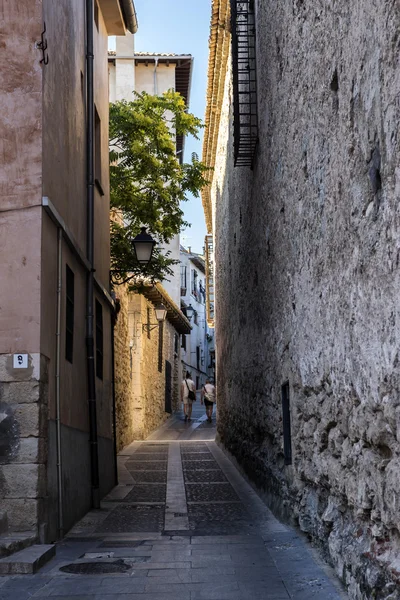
[
  {"x": 208, "y": 397},
  {"x": 188, "y": 395}
]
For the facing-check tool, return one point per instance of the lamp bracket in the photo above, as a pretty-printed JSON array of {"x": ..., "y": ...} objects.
[{"x": 147, "y": 327}]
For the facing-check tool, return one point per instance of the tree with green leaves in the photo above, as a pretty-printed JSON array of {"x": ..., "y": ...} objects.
[{"x": 148, "y": 182}]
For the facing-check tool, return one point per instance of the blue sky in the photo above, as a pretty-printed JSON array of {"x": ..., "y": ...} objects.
[{"x": 183, "y": 27}]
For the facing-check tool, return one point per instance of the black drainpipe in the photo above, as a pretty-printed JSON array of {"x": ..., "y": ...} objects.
[
  {"x": 113, "y": 324},
  {"x": 94, "y": 455}
]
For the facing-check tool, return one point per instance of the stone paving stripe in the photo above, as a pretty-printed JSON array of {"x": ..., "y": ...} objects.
[
  {"x": 196, "y": 575},
  {"x": 185, "y": 595},
  {"x": 204, "y": 575},
  {"x": 175, "y": 541},
  {"x": 171, "y": 575},
  {"x": 186, "y": 564},
  {"x": 120, "y": 544},
  {"x": 148, "y": 536},
  {"x": 214, "y": 588},
  {"x": 219, "y": 595},
  {"x": 228, "y": 539},
  {"x": 176, "y": 517},
  {"x": 181, "y": 532}
]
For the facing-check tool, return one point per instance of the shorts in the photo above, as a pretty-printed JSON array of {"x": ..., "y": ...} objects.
[{"x": 208, "y": 403}]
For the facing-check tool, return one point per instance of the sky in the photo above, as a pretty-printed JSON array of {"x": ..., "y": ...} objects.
[{"x": 182, "y": 27}]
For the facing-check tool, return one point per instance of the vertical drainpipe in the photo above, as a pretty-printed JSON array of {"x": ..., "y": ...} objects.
[
  {"x": 58, "y": 399},
  {"x": 155, "y": 77},
  {"x": 94, "y": 455},
  {"x": 114, "y": 408}
]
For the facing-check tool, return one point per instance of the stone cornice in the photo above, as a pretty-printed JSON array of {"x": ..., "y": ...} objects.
[{"x": 217, "y": 65}]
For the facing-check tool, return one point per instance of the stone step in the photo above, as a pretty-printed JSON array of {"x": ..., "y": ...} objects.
[
  {"x": 3, "y": 522},
  {"x": 27, "y": 561},
  {"x": 15, "y": 541}
]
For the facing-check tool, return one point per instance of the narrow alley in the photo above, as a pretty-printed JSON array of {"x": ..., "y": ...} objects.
[{"x": 182, "y": 524}]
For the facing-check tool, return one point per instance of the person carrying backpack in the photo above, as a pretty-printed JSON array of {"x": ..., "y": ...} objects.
[{"x": 188, "y": 395}]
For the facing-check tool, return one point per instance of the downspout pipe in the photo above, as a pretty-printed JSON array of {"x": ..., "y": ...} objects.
[
  {"x": 91, "y": 388},
  {"x": 114, "y": 408},
  {"x": 58, "y": 387},
  {"x": 155, "y": 77}
]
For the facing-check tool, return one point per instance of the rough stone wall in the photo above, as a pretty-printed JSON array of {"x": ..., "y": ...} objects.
[
  {"x": 150, "y": 399},
  {"x": 139, "y": 386},
  {"x": 23, "y": 442},
  {"x": 122, "y": 380},
  {"x": 307, "y": 249}
]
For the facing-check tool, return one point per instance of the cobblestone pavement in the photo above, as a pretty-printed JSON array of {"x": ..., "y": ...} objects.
[{"x": 181, "y": 525}]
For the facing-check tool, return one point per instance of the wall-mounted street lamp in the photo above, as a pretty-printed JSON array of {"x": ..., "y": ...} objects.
[
  {"x": 189, "y": 310},
  {"x": 161, "y": 314},
  {"x": 143, "y": 245}
]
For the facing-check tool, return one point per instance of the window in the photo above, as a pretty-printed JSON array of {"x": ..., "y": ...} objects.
[
  {"x": 198, "y": 358},
  {"x": 194, "y": 283},
  {"x": 287, "y": 437},
  {"x": 97, "y": 151},
  {"x": 202, "y": 293},
  {"x": 183, "y": 342},
  {"x": 183, "y": 280},
  {"x": 195, "y": 318},
  {"x": 99, "y": 340},
  {"x": 69, "y": 316},
  {"x": 176, "y": 343}
]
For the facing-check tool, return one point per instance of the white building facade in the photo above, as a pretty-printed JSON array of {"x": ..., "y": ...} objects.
[
  {"x": 197, "y": 348},
  {"x": 153, "y": 73}
]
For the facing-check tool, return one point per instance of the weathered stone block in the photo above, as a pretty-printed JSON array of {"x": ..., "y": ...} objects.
[
  {"x": 22, "y": 481},
  {"x": 9, "y": 374},
  {"x": 22, "y": 513},
  {"x": 31, "y": 450},
  {"x": 20, "y": 392},
  {"x": 28, "y": 418}
]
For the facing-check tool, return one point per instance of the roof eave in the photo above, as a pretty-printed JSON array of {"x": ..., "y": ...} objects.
[
  {"x": 157, "y": 294},
  {"x": 129, "y": 14}
]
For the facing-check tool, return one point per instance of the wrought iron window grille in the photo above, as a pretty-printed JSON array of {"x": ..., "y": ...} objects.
[{"x": 245, "y": 119}]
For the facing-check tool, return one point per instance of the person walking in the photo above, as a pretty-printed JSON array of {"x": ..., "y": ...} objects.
[
  {"x": 188, "y": 395},
  {"x": 208, "y": 397}
]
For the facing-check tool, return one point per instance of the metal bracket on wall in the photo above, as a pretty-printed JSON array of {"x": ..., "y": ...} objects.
[
  {"x": 42, "y": 46},
  {"x": 149, "y": 326}
]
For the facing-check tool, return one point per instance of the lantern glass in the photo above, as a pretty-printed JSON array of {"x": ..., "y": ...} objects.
[
  {"x": 161, "y": 313},
  {"x": 189, "y": 312},
  {"x": 143, "y": 245}
]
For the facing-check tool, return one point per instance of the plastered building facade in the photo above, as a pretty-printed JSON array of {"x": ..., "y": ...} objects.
[
  {"x": 307, "y": 275},
  {"x": 45, "y": 460},
  {"x": 195, "y": 347}
]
